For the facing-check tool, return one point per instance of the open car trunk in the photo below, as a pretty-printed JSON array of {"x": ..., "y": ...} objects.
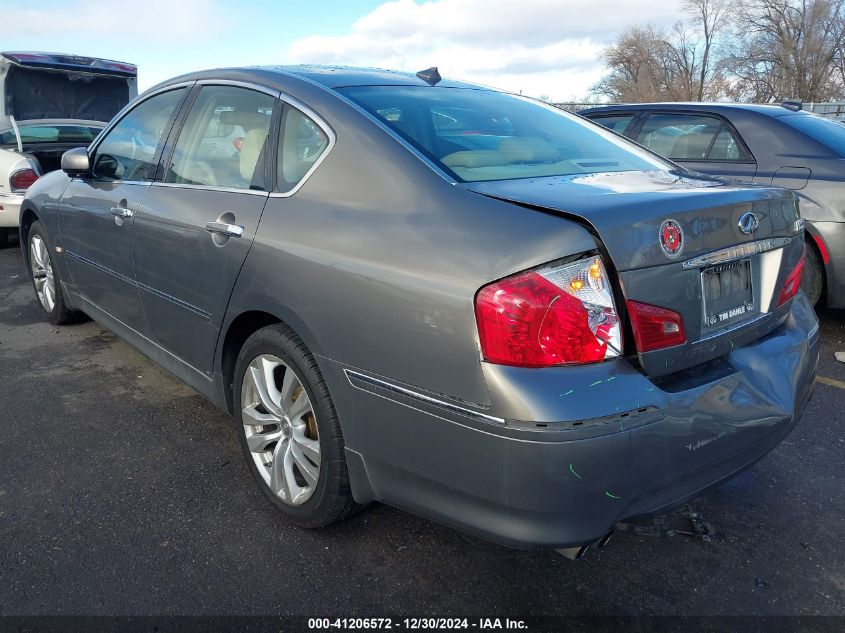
[{"x": 723, "y": 282}]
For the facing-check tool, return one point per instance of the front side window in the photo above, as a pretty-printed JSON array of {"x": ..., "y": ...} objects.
[
  {"x": 302, "y": 142},
  {"x": 690, "y": 137},
  {"x": 222, "y": 142},
  {"x": 487, "y": 135},
  {"x": 616, "y": 122},
  {"x": 129, "y": 149}
]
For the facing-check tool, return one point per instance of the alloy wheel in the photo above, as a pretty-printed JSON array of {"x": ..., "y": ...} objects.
[
  {"x": 42, "y": 272},
  {"x": 281, "y": 429}
]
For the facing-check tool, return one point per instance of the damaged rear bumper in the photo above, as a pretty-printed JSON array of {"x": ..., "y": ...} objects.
[{"x": 565, "y": 453}]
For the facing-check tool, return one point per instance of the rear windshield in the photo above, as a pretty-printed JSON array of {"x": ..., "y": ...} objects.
[
  {"x": 826, "y": 131},
  {"x": 76, "y": 134},
  {"x": 486, "y": 135}
]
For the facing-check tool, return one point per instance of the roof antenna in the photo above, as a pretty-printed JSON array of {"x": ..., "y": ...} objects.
[{"x": 430, "y": 76}]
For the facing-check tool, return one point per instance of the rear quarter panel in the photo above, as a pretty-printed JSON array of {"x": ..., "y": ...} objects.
[{"x": 376, "y": 260}]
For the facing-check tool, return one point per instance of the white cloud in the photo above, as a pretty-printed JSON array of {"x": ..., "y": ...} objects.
[
  {"x": 151, "y": 20},
  {"x": 539, "y": 47}
]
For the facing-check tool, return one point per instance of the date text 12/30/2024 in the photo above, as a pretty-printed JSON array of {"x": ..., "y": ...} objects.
[{"x": 436, "y": 624}]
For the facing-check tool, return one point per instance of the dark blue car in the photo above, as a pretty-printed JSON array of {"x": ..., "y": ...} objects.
[{"x": 767, "y": 144}]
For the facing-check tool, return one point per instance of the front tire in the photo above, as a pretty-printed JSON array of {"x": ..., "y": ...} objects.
[
  {"x": 812, "y": 281},
  {"x": 289, "y": 429},
  {"x": 46, "y": 279}
]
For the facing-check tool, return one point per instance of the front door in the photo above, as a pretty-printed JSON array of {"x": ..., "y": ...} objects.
[
  {"x": 194, "y": 229},
  {"x": 97, "y": 210}
]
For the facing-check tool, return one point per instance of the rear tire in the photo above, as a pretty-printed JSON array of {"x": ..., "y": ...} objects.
[
  {"x": 812, "y": 281},
  {"x": 289, "y": 430},
  {"x": 46, "y": 279}
]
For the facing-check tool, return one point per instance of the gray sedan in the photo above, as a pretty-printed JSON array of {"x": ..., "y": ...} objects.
[{"x": 442, "y": 297}]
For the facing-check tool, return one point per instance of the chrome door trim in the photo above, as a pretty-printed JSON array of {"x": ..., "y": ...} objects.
[
  {"x": 222, "y": 228},
  {"x": 179, "y": 185}
]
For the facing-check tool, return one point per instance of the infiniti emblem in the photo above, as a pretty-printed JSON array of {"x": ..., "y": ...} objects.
[{"x": 748, "y": 223}]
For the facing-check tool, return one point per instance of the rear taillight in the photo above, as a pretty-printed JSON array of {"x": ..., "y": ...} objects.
[
  {"x": 655, "y": 328},
  {"x": 22, "y": 180},
  {"x": 557, "y": 315},
  {"x": 793, "y": 282}
]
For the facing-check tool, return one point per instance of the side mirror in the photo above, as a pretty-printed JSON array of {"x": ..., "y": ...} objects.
[{"x": 75, "y": 162}]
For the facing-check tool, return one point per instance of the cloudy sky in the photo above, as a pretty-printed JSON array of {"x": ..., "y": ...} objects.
[{"x": 540, "y": 47}]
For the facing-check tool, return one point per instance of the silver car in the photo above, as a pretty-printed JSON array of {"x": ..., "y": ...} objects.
[{"x": 438, "y": 296}]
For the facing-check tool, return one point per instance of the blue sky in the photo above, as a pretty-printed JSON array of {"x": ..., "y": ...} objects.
[{"x": 541, "y": 47}]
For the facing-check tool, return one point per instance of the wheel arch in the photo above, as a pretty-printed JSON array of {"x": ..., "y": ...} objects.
[
  {"x": 240, "y": 325},
  {"x": 29, "y": 216}
]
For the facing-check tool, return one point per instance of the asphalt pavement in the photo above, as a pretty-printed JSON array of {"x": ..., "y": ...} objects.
[{"x": 122, "y": 491}]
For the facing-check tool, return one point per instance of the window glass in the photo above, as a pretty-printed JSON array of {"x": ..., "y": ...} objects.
[
  {"x": 824, "y": 130},
  {"x": 128, "y": 150},
  {"x": 617, "y": 122},
  {"x": 301, "y": 144},
  {"x": 689, "y": 137},
  {"x": 82, "y": 134},
  {"x": 222, "y": 141},
  {"x": 487, "y": 135}
]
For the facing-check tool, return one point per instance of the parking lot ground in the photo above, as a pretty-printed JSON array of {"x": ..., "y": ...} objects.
[{"x": 124, "y": 492}]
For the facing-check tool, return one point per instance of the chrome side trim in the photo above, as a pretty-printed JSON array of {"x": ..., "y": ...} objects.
[
  {"x": 179, "y": 185},
  {"x": 737, "y": 252},
  {"x": 354, "y": 376}
]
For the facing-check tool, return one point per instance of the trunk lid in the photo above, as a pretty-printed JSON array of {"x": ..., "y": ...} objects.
[
  {"x": 724, "y": 281},
  {"x": 57, "y": 86}
]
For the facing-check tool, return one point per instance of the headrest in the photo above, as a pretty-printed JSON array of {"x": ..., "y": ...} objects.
[
  {"x": 252, "y": 144},
  {"x": 527, "y": 149},
  {"x": 244, "y": 119}
]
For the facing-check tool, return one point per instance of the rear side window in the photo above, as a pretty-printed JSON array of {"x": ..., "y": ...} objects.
[
  {"x": 691, "y": 137},
  {"x": 301, "y": 143},
  {"x": 616, "y": 122},
  {"x": 222, "y": 142},
  {"x": 129, "y": 149},
  {"x": 478, "y": 135}
]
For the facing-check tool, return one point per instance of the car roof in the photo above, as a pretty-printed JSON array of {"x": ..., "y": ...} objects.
[
  {"x": 328, "y": 76},
  {"x": 772, "y": 110}
]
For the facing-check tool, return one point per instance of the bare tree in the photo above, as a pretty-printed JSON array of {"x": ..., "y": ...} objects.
[
  {"x": 789, "y": 49},
  {"x": 646, "y": 63}
]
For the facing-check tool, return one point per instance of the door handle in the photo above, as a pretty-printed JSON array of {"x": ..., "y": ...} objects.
[
  {"x": 223, "y": 228},
  {"x": 120, "y": 212}
]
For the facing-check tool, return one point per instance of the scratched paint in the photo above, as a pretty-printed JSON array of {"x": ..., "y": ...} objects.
[
  {"x": 598, "y": 382},
  {"x": 567, "y": 393},
  {"x": 572, "y": 470},
  {"x": 612, "y": 496}
]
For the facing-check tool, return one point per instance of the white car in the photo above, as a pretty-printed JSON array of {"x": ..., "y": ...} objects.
[{"x": 50, "y": 103}]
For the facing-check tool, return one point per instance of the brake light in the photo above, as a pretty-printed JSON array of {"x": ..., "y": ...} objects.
[
  {"x": 654, "y": 327},
  {"x": 793, "y": 282},
  {"x": 556, "y": 315},
  {"x": 22, "y": 179}
]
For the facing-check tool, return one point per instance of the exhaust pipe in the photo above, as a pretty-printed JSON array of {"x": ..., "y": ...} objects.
[{"x": 578, "y": 552}]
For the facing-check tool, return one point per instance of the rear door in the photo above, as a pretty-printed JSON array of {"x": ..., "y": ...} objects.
[
  {"x": 97, "y": 211},
  {"x": 196, "y": 224},
  {"x": 700, "y": 142}
]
